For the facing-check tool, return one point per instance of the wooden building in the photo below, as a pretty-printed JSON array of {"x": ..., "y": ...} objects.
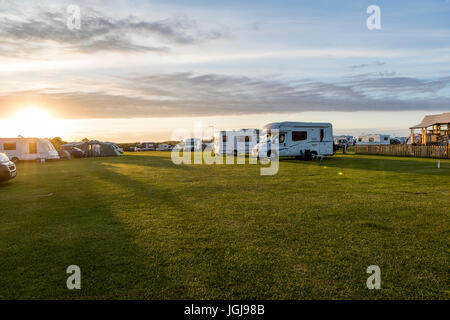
[{"x": 434, "y": 130}]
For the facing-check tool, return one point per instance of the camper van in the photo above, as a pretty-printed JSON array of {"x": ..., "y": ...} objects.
[
  {"x": 18, "y": 149},
  {"x": 299, "y": 139},
  {"x": 374, "y": 139},
  {"x": 236, "y": 141}
]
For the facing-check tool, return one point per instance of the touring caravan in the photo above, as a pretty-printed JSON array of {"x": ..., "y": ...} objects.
[
  {"x": 374, "y": 139},
  {"x": 163, "y": 147},
  {"x": 236, "y": 141},
  {"x": 299, "y": 139},
  {"x": 18, "y": 149},
  {"x": 145, "y": 146}
]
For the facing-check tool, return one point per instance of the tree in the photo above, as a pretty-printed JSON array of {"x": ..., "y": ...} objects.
[{"x": 85, "y": 140}]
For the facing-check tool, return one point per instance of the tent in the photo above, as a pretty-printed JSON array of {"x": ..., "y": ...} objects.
[{"x": 96, "y": 148}]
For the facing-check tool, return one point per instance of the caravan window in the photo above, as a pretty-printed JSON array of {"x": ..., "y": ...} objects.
[
  {"x": 9, "y": 146},
  {"x": 282, "y": 137},
  {"x": 322, "y": 134},
  {"x": 385, "y": 138},
  {"x": 371, "y": 140},
  {"x": 299, "y": 135},
  {"x": 224, "y": 138}
]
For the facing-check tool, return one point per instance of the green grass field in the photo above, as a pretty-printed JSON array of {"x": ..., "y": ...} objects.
[{"x": 141, "y": 227}]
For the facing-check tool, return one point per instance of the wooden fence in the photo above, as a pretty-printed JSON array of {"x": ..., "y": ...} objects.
[{"x": 404, "y": 150}]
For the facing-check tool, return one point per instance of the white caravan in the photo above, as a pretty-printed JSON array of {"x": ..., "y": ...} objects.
[
  {"x": 192, "y": 144},
  {"x": 236, "y": 141},
  {"x": 18, "y": 149},
  {"x": 374, "y": 139},
  {"x": 299, "y": 139},
  {"x": 163, "y": 147},
  {"x": 145, "y": 146}
]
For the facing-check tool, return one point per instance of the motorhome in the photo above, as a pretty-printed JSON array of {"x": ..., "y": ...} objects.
[
  {"x": 374, "y": 139},
  {"x": 236, "y": 141},
  {"x": 192, "y": 144},
  {"x": 299, "y": 139},
  {"x": 18, "y": 149},
  {"x": 145, "y": 146}
]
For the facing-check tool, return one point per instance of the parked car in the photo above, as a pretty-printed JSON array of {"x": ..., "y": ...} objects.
[
  {"x": 8, "y": 168},
  {"x": 340, "y": 143}
]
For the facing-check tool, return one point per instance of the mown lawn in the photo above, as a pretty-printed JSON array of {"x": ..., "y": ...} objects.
[{"x": 141, "y": 227}]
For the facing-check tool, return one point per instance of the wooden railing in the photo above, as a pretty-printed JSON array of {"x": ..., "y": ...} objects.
[{"x": 404, "y": 150}]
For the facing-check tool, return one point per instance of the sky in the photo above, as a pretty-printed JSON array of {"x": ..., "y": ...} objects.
[{"x": 139, "y": 70}]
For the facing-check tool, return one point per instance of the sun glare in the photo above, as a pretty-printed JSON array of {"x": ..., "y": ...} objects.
[{"x": 31, "y": 122}]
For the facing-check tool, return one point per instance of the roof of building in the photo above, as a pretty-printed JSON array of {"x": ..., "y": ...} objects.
[{"x": 433, "y": 119}]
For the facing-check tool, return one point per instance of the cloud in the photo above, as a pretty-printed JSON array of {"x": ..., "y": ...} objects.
[
  {"x": 40, "y": 29},
  {"x": 188, "y": 94},
  {"x": 366, "y": 65}
]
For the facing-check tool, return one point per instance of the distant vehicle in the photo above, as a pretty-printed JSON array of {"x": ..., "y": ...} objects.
[
  {"x": 401, "y": 139},
  {"x": 305, "y": 140},
  {"x": 192, "y": 144},
  {"x": 236, "y": 141},
  {"x": 18, "y": 149},
  {"x": 8, "y": 169},
  {"x": 340, "y": 143},
  {"x": 145, "y": 146},
  {"x": 163, "y": 147},
  {"x": 374, "y": 139},
  {"x": 75, "y": 152},
  {"x": 395, "y": 141}
]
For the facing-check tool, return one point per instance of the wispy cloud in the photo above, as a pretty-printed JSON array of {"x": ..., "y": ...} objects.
[
  {"x": 27, "y": 35},
  {"x": 188, "y": 94}
]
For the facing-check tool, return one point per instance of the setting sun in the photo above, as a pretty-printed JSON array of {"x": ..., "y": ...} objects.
[{"x": 30, "y": 122}]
